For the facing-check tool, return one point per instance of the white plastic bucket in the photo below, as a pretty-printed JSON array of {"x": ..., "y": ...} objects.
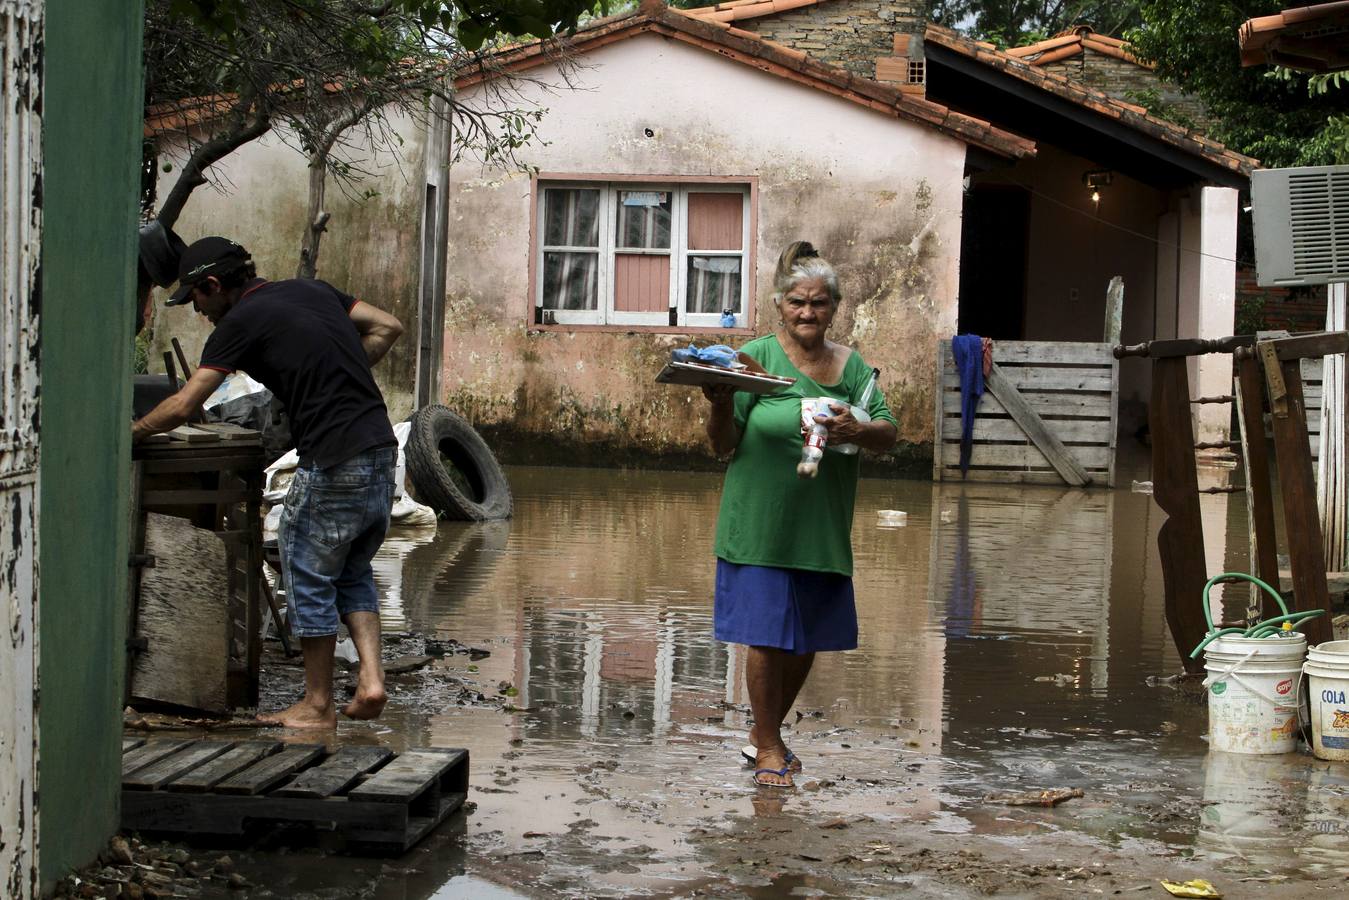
[
  {"x": 1327, "y": 671},
  {"x": 1253, "y": 692}
]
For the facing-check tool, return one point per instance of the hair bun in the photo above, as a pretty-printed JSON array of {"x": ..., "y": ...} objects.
[{"x": 796, "y": 250}]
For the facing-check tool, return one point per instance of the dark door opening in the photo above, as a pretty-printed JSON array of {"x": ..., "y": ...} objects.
[{"x": 994, "y": 236}]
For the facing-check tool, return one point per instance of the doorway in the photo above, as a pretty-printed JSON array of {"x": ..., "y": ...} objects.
[{"x": 994, "y": 236}]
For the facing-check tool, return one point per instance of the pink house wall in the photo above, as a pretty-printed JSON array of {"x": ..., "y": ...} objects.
[{"x": 879, "y": 197}]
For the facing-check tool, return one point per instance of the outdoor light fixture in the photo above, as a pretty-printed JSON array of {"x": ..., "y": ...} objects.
[{"x": 1095, "y": 180}]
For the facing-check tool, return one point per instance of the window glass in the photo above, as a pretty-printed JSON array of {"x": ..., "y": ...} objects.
[
  {"x": 714, "y": 284},
  {"x": 571, "y": 217},
  {"x": 570, "y": 280},
  {"x": 643, "y": 220}
]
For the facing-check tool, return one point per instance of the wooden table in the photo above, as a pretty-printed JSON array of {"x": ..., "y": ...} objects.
[{"x": 215, "y": 482}]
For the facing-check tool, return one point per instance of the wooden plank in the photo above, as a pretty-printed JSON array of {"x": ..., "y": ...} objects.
[
  {"x": 940, "y": 423},
  {"x": 230, "y": 814},
  {"x": 1035, "y": 428},
  {"x": 405, "y": 777},
  {"x": 1175, "y": 488},
  {"x": 1308, "y": 345},
  {"x": 1081, "y": 431},
  {"x": 1114, "y": 310},
  {"x": 161, "y": 772},
  {"x": 335, "y": 773},
  {"x": 1114, "y": 426},
  {"x": 1259, "y": 496},
  {"x": 1087, "y": 357},
  {"x": 227, "y": 431},
  {"x": 271, "y": 770},
  {"x": 1005, "y": 476},
  {"x": 1021, "y": 456},
  {"x": 1083, "y": 405},
  {"x": 1053, "y": 352},
  {"x": 1302, "y": 526},
  {"x": 151, "y": 752},
  {"x": 131, "y": 743},
  {"x": 233, "y": 761}
]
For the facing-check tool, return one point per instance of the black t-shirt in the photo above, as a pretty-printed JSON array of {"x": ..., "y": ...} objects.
[{"x": 297, "y": 338}]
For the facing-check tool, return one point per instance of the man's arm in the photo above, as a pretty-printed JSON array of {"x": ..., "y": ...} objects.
[
  {"x": 174, "y": 411},
  {"x": 378, "y": 330}
]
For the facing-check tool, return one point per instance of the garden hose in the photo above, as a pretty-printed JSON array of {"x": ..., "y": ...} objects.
[{"x": 1276, "y": 625}]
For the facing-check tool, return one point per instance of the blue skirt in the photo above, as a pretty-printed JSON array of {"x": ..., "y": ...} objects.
[{"x": 790, "y": 609}]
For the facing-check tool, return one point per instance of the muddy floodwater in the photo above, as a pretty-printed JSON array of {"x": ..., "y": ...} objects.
[{"x": 1011, "y": 639}]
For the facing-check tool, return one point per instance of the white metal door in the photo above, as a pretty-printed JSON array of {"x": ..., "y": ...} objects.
[{"x": 20, "y": 250}]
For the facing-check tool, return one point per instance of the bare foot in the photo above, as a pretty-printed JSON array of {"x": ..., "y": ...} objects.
[
  {"x": 302, "y": 715},
  {"x": 771, "y": 769},
  {"x": 367, "y": 704}
]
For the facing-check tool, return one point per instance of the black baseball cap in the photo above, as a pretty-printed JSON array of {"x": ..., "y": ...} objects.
[{"x": 204, "y": 258}]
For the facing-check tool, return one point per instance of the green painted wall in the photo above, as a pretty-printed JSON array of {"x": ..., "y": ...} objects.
[{"x": 91, "y": 149}]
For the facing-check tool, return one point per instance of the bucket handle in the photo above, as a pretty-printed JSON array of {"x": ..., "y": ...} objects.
[{"x": 1231, "y": 672}]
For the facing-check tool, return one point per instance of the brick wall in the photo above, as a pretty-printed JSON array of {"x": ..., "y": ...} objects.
[
  {"x": 850, "y": 34},
  {"x": 1287, "y": 308},
  {"x": 1123, "y": 80}
]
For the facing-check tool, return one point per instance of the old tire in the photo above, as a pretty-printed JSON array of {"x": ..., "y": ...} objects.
[{"x": 452, "y": 468}]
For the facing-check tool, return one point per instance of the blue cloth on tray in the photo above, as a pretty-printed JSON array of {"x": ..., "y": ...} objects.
[
  {"x": 968, "y": 350},
  {"x": 796, "y": 610}
]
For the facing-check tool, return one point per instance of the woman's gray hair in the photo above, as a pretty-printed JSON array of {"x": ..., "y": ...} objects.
[{"x": 798, "y": 263}]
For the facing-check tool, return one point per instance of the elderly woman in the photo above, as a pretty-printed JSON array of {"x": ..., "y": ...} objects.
[{"x": 784, "y": 553}]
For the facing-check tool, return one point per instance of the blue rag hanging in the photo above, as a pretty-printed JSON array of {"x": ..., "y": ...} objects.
[{"x": 968, "y": 350}]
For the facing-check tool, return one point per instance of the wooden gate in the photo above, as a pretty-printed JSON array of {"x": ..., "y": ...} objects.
[
  {"x": 1048, "y": 415},
  {"x": 20, "y": 234}
]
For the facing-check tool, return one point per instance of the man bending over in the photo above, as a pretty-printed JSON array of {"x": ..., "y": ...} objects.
[{"x": 312, "y": 346}]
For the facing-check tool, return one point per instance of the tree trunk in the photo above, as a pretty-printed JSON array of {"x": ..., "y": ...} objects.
[{"x": 317, "y": 223}]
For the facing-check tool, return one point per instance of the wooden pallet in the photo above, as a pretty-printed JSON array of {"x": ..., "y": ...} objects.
[
  {"x": 370, "y": 795},
  {"x": 1071, "y": 394}
]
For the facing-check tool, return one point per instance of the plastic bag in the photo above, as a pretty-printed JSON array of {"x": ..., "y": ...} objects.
[{"x": 716, "y": 354}]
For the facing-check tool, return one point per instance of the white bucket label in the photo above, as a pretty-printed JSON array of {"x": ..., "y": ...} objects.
[{"x": 1284, "y": 687}]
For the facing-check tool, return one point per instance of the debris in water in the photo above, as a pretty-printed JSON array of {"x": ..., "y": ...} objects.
[
  {"x": 1195, "y": 887},
  {"x": 1059, "y": 679},
  {"x": 404, "y": 664},
  {"x": 1048, "y": 797}
]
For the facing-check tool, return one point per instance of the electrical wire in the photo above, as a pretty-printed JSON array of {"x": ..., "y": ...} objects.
[{"x": 1096, "y": 217}]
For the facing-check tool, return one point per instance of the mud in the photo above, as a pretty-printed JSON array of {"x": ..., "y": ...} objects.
[{"x": 1012, "y": 640}]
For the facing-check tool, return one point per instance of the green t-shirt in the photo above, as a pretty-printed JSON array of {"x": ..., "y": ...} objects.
[{"x": 769, "y": 515}]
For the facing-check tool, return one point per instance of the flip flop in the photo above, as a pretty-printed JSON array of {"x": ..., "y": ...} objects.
[
  {"x": 749, "y": 754},
  {"x": 784, "y": 772}
]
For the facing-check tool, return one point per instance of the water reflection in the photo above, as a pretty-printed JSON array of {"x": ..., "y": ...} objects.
[{"x": 1006, "y": 637}]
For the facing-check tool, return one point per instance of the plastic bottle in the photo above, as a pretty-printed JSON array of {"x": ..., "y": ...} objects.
[
  {"x": 859, "y": 412},
  {"x": 812, "y": 450}
]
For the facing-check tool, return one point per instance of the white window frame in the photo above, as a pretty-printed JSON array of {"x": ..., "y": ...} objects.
[{"x": 605, "y": 314}]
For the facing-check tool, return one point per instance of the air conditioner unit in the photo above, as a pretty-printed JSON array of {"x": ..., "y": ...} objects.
[{"x": 1301, "y": 219}]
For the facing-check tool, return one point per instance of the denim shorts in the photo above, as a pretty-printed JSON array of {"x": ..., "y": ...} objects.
[{"x": 333, "y": 522}]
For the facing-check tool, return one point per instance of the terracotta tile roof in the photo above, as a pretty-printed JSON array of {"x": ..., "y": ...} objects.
[
  {"x": 1311, "y": 38},
  {"x": 653, "y": 17},
  {"x": 1127, "y": 113},
  {"x": 1073, "y": 42}
]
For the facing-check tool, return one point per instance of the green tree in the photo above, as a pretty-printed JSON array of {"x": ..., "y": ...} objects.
[
  {"x": 1015, "y": 23},
  {"x": 1263, "y": 112},
  {"x": 221, "y": 73}
]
